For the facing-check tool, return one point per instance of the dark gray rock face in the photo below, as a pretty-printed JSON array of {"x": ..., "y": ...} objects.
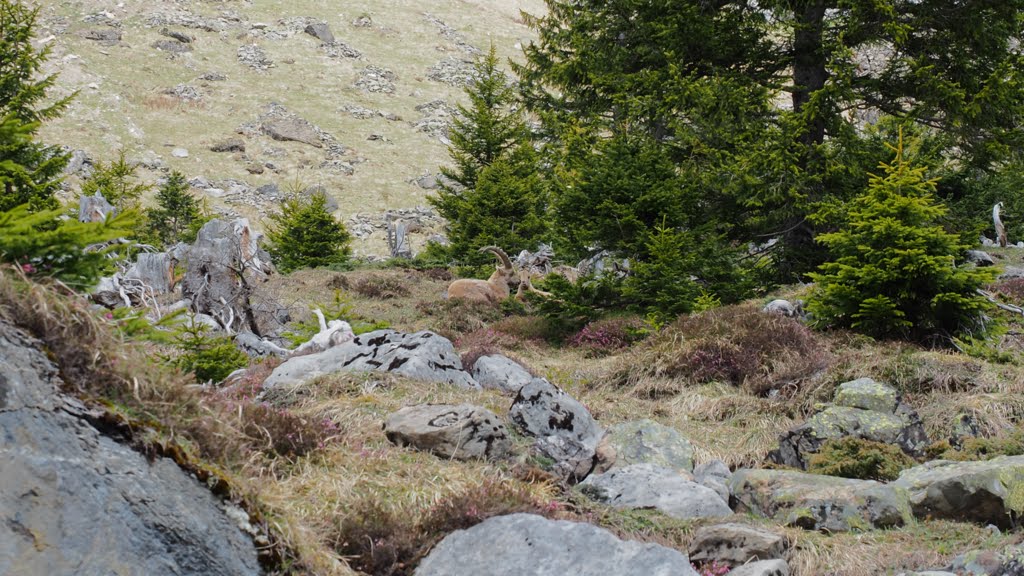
[
  {"x": 73, "y": 501},
  {"x": 422, "y": 355},
  {"x": 462, "y": 432},
  {"x": 864, "y": 409},
  {"x": 520, "y": 544},
  {"x": 565, "y": 431},
  {"x": 989, "y": 491}
]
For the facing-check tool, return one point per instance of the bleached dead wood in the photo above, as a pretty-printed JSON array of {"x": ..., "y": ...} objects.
[{"x": 998, "y": 222}]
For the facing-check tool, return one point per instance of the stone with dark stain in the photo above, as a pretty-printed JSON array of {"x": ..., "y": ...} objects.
[{"x": 462, "y": 432}]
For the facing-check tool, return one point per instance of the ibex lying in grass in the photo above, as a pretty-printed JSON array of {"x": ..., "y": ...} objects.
[{"x": 494, "y": 289}]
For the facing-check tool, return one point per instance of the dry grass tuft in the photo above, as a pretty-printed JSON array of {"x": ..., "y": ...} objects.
[
  {"x": 381, "y": 287},
  {"x": 736, "y": 344},
  {"x": 456, "y": 317}
]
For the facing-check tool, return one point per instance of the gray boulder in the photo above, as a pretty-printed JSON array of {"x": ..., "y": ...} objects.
[
  {"x": 422, "y": 356},
  {"x": 762, "y": 568},
  {"x": 646, "y": 441},
  {"x": 500, "y": 373},
  {"x": 565, "y": 431},
  {"x": 980, "y": 258},
  {"x": 784, "y": 308},
  {"x": 321, "y": 31},
  {"x": 816, "y": 502},
  {"x": 155, "y": 270},
  {"x": 462, "y": 432},
  {"x": 292, "y": 128},
  {"x": 650, "y": 486},
  {"x": 989, "y": 492},
  {"x": 735, "y": 544},
  {"x": 1011, "y": 273},
  {"x": 519, "y": 544},
  {"x": 864, "y": 409},
  {"x": 714, "y": 474},
  {"x": 75, "y": 501}
]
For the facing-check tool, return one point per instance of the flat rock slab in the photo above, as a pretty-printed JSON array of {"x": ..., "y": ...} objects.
[
  {"x": 816, "y": 502},
  {"x": 646, "y": 441},
  {"x": 74, "y": 501},
  {"x": 462, "y": 432},
  {"x": 564, "y": 429},
  {"x": 292, "y": 129},
  {"x": 520, "y": 544},
  {"x": 987, "y": 492},
  {"x": 762, "y": 568},
  {"x": 650, "y": 486},
  {"x": 734, "y": 544},
  {"x": 500, "y": 373},
  {"x": 422, "y": 355}
]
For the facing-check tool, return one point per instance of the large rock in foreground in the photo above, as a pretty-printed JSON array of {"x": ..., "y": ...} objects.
[
  {"x": 816, "y": 502},
  {"x": 422, "y": 356},
  {"x": 650, "y": 486},
  {"x": 566, "y": 433},
  {"x": 462, "y": 432},
  {"x": 990, "y": 492},
  {"x": 500, "y": 373},
  {"x": 862, "y": 409},
  {"x": 520, "y": 544},
  {"x": 73, "y": 501}
]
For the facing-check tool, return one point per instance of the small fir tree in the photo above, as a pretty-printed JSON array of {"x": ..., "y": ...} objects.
[
  {"x": 493, "y": 193},
  {"x": 209, "y": 358},
  {"x": 117, "y": 182},
  {"x": 893, "y": 270},
  {"x": 43, "y": 244},
  {"x": 306, "y": 235},
  {"x": 30, "y": 172},
  {"x": 176, "y": 217}
]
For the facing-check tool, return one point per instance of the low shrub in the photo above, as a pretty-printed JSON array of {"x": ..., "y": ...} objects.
[
  {"x": 980, "y": 448},
  {"x": 862, "y": 459},
  {"x": 383, "y": 542},
  {"x": 525, "y": 329},
  {"x": 381, "y": 287},
  {"x": 1011, "y": 290},
  {"x": 209, "y": 358},
  {"x": 608, "y": 335},
  {"x": 455, "y": 317},
  {"x": 740, "y": 345},
  {"x": 483, "y": 342}
]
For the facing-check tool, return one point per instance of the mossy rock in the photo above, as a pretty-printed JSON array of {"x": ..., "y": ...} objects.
[{"x": 988, "y": 492}]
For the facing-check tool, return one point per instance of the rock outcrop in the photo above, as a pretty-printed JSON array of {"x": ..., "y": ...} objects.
[
  {"x": 862, "y": 409},
  {"x": 816, "y": 502},
  {"x": 528, "y": 544},
  {"x": 421, "y": 355},
  {"x": 462, "y": 432},
  {"x": 990, "y": 491},
  {"x": 74, "y": 501},
  {"x": 565, "y": 431}
]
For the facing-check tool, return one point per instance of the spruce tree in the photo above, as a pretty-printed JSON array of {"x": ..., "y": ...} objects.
[
  {"x": 306, "y": 235},
  {"x": 495, "y": 194},
  {"x": 893, "y": 271},
  {"x": 117, "y": 182},
  {"x": 176, "y": 216},
  {"x": 29, "y": 171}
]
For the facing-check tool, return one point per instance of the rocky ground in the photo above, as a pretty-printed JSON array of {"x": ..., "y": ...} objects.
[
  {"x": 419, "y": 447},
  {"x": 255, "y": 100}
]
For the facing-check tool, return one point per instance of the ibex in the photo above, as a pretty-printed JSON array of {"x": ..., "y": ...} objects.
[{"x": 494, "y": 289}]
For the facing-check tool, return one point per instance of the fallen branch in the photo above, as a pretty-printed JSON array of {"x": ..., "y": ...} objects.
[{"x": 1008, "y": 307}]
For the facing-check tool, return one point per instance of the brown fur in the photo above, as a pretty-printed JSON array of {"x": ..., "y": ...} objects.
[{"x": 494, "y": 289}]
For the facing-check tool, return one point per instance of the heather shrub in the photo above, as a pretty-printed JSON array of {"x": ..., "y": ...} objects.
[
  {"x": 740, "y": 345},
  {"x": 381, "y": 287},
  {"x": 483, "y": 342},
  {"x": 608, "y": 335},
  {"x": 862, "y": 459}
]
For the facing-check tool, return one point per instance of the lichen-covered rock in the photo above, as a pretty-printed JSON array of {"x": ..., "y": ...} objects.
[
  {"x": 646, "y": 441},
  {"x": 866, "y": 394},
  {"x": 762, "y": 568},
  {"x": 863, "y": 409},
  {"x": 75, "y": 501},
  {"x": 816, "y": 502},
  {"x": 462, "y": 432},
  {"x": 734, "y": 544},
  {"x": 990, "y": 491},
  {"x": 566, "y": 433},
  {"x": 714, "y": 474},
  {"x": 422, "y": 356},
  {"x": 519, "y": 544},
  {"x": 500, "y": 373},
  {"x": 650, "y": 486}
]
